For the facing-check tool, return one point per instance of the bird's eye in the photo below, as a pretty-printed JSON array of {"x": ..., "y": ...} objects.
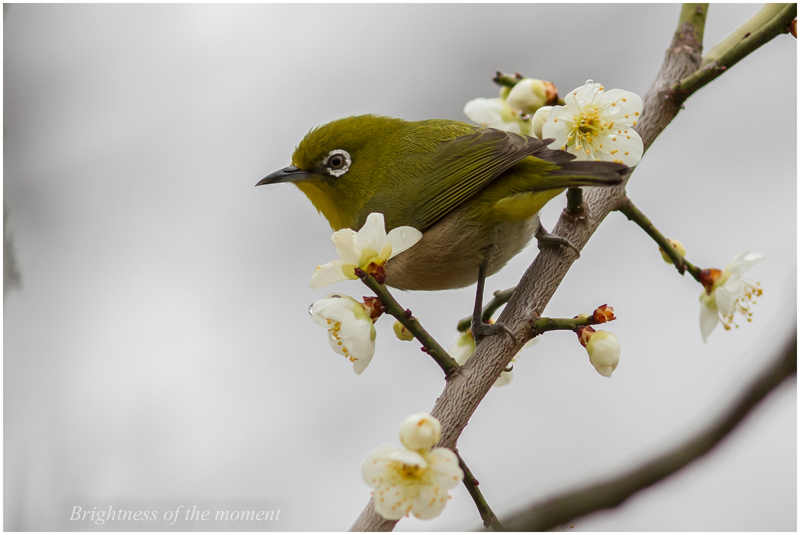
[{"x": 337, "y": 162}]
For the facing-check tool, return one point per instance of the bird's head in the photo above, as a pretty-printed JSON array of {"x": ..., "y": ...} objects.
[{"x": 340, "y": 165}]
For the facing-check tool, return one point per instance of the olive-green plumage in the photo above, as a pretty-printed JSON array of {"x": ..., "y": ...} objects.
[{"x": 468, "y": 189}]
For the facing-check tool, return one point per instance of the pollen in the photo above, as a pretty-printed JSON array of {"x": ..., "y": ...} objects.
[
  {"x": 636, "y": 114},
  {"x": 626, "y": 153},
  {"x": 555, "y": 120},
  {"x": 613, "y": 139}
]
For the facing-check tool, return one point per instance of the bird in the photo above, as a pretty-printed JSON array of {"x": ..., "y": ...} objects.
[{"x": 474, "y": 192}]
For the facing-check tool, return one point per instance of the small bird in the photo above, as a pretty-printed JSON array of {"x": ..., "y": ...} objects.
[{"x": 474, "y": 193}]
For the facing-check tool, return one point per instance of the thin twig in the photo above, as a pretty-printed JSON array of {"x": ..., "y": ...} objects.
[
  {"x": 752, "y": 25},
  {"x": 507, "y": 80},
  {"x": 432, "y": 347},
  {"x": 567, "y": 507},
  {"x": 681, "y": 264},
  {"x": 778, "y": 25},
  {"x": 490, "y": 520},
  {"x": 542, "y": 325}
]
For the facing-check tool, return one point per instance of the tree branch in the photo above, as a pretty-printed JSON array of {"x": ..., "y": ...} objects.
[
  {"x": 487, "y": 515},
  {"x": 749, "y": 42},
  {"x": 681, "y": 264},
  {"x": 431, "y": 346},
  {"x": 567, "y": 507},
  {"x": 465, "y": 390},
  {"x": 755, "y": 23}
]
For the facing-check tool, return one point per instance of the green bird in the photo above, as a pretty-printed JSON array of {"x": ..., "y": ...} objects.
[{"x": 474, "y": 193}]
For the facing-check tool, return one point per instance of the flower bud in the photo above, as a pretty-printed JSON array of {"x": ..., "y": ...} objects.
[
  {"x": 603, "y": 349},
  {"x": 528, "y": 95},
  {"x": 420, "y": 431},
  {"x": 539, "y": 118},
  {"x": 401, "y": 332},
  {"x": 603, "y": 314},
  {"x": 678, "y": 247}
]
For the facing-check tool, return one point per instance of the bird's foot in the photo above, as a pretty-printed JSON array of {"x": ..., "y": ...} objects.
[
  {"x": 544, "y": 238},
  {"x": 481, "y": 330}
]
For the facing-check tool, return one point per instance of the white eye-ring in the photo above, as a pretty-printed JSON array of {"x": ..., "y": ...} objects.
[{"x": 338, "y": 162}]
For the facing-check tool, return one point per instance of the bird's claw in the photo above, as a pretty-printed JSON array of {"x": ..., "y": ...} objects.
[
  {"x": 482, "y": 330},
  {"x": 544, "y": 238}
]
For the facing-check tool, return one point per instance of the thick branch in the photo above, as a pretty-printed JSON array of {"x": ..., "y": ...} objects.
[
  {"x": 465, "y": 390},
  {"x": 567, "y": 507}
]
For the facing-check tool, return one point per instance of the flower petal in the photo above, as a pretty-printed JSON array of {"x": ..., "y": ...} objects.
[
  {"x": 430, "y": 502},
  {"x": 625, "y": 103},
  {"x": 335, "y": 307},
  {"x": 393, "y": 508},
  {"x": 485, "y": 111},
  {"x": 372, "y": 235},
  {"x": 726, "y": 301},
  {"x": 402, "y": 238},
  {"x": 358, "y": 342},
  {"x": 463, "y": 348},
  {"x": 408, "y": 457},
  {"x": 504, "y": 379},
  {"x": 709, "y": 318},
  {"x": 558, "y": 126},
  {"x": 375, "y": 464},
  {"x": 744, "y": 262},
  {"x": 584, "y": 95},
  {"x": 345, "y": 242},
  {"x": 444, "y": 464},
  {"x": 327, "y": 274}
]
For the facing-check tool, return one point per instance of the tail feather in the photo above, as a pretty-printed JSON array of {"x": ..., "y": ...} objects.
[{"x": 574, "y": 172}]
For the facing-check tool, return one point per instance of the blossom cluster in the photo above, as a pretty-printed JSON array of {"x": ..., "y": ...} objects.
[{"x": 592, "y": 124}]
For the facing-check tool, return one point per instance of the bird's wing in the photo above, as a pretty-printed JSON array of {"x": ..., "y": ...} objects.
[{"x": 462, "y": 166}]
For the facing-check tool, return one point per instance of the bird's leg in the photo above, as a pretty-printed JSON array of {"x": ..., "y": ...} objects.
[
  {"x": 545, "y": 238},
  {"x": 479, "y": 329}
]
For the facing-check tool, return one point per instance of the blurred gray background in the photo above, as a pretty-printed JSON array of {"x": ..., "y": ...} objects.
[{"x": 159, "y": 351}]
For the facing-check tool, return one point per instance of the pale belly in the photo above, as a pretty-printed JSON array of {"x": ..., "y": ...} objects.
[{"x": 449, "y": 255}]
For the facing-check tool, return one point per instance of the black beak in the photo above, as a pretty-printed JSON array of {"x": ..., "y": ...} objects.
[{"x": 287, "y": 174}]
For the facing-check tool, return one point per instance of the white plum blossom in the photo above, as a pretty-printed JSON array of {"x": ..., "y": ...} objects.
[
  {"x": 350, "y": 328},
  {"x": 603, "y": 349},
  {"x": 464, "y": 346},
  {"x": 368, "y": 249},
  {"x": 412, "y": 480},
  {"x": 539, "y": 118},
  {"x": 496, "y": 113},
  {"x": 530, "y": 94},
  {"x": 420, "y": 431},
  {"x": 726, "y": 293},
  {"x": 595, "y": 124}
]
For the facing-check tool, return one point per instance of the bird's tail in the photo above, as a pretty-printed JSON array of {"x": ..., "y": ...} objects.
[
  {"x": 574, "y": 172},
  {"x": 584, "y": 173}
]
